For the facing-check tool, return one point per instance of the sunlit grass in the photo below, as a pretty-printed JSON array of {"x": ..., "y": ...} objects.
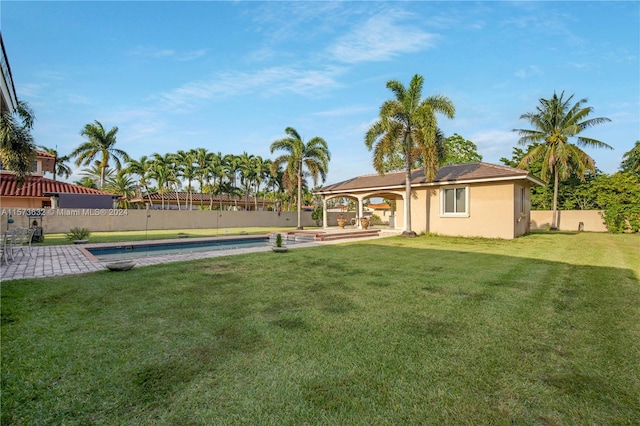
[
  {"x": 121, "y": 236},
  {"x": 540, "y": 330}
]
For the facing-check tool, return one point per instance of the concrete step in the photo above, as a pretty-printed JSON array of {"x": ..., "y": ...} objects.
[{"x": 348, "y": 235}]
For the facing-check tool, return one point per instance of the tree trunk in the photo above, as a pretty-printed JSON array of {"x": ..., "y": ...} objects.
[
  {"x": 300, "y": 195},
  {"x": 554, "y": 219},
  {"x": 408, "y": 232}
]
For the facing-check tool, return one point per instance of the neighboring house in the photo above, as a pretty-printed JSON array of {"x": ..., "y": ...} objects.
[
  {"x": 38, "y": 191},
  {"x": 474, "y": 199},
  {"x": 184, "y": 200},
  {"x": 382, "y": 210}
]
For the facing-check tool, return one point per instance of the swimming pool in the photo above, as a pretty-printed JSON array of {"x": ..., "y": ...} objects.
[{"x": 147, "y": 249}]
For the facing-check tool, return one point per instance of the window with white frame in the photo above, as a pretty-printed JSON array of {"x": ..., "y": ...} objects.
[{"x": 454, "y": 202}]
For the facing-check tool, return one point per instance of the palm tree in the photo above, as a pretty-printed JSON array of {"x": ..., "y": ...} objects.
[
  {"x": 554, "y": 122},
  {"x": 60, "y": 167},
  {"x": 163, "y": 171},
  {"x": 186, "y": 161},
  {"x": 408, "y": 125},
  {"x": 17, "y": 147},
  {"x": 122, "y": 185},
  {"x": 142, "y": 168},
  {"x": 99, "y": 143},
  {"x": 246, "y": 167},
  {"x": 95, "y": 173},
  {"x": 202, "y": 158},
  {"x": 314, "y": 155}
]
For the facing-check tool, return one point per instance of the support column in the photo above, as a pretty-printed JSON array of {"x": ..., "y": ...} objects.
[
  {"x": 360, "y": 212},
  {"x": 324, "y": 212}
]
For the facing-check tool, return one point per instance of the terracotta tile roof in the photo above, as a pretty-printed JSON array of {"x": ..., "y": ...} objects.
[
  {"x": 38, "y": 186},
  {"x": 44, "y": 154},
  {"x": 383, "y": 206},
  {"x": 446, "y": 174}
]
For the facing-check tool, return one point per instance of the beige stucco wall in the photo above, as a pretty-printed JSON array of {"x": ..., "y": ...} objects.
[
  {"x": 491, "y": 213},
  {"x": 62, "y": 220},
  {"x": 22, "y": 202},
  {"x": 568, "y": 220}
]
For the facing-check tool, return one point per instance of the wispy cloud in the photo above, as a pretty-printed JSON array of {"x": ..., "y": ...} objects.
[
  {"x": 528, "y": 72},
  {"x": 159, "y": 53},
  {"x": 381, "y": 38},
  {"x": 264, "y": 82}
]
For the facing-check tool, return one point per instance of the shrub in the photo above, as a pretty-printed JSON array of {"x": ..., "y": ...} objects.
[
  {"x": 76, "y": 234},
  {"x": 317, "y": 215},
  {"x": 278, "y": 240}
]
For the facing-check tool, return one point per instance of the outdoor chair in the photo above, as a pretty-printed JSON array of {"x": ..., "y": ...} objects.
[{"x": 20, "y": 239}]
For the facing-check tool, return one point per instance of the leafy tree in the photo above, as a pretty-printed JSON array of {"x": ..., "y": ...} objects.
[
  {"x": 407, "y": 126},
  {"x": 314, "y": 155},
  {"x": 99, "y": 143},
  {"x": 618, "y": 196},
  {"x": 631, "y": 160},
  {"x": 458, "y": 150},
  {"x": 17, "y": 147},
  {"x": 60, "y": 168},
  {"x": 555, "y": 121}
]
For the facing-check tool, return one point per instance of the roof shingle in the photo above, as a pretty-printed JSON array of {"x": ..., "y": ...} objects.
[{"x": 446, "y": 174}]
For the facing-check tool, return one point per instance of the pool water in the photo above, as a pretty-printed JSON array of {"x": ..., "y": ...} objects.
[{"x": 135, "y": 251}]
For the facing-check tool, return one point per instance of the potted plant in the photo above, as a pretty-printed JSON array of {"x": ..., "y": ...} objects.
[
  {"x": 364, "y": 222},
  {"x": 341, "y": 221},
  {"x": 78, "y": 235},
  {"x": 278, "y": 247}
]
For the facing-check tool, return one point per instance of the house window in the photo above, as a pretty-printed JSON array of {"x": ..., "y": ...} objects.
[
  {"x": 454, "y": 202},
  {"x": 522, "y": 200}
]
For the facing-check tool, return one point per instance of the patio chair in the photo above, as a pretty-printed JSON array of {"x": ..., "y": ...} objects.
[{"x": 20, "y": 239}]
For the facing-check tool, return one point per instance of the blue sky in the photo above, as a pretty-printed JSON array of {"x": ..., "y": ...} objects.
[{"x": 231, "y": 76}]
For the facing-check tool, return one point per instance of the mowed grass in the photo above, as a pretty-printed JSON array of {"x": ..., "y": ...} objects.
[
  {"x": 543, "y": 329},
  {"x": 159, "y": 234}
]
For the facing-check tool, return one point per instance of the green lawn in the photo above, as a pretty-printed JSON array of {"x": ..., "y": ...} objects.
[
  {"x": 543, "y": 329},
  {"x": 159, "y": 234}
]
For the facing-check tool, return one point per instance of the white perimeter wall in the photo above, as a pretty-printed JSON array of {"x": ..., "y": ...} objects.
[{"x": 96, "y": 220}]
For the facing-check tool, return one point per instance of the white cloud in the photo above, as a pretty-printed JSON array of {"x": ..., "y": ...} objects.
[
  {"x": 264, "y": 82},
  {"x": 159, "y": 53},
  {"x": 381, "y": 38},
  {"x": 528, "y": 72}
]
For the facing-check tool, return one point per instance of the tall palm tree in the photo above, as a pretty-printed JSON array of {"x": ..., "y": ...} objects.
[
  {"x": 408, "y": 125},
  {"x": 17, "y": 147},
  {"x": 99, "y": 143},
  {"x": 555, "y": 121},
  {"x": 314, "y": 155},
  {"x": 246, "y": 167},
  {"x": 202, "y": 159},
  {"x": 142, "y": 168},
  {"x": 60, "y": 168},
  {"x": 163, "y": 172},
  {"x": 186, "y": 161}
]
